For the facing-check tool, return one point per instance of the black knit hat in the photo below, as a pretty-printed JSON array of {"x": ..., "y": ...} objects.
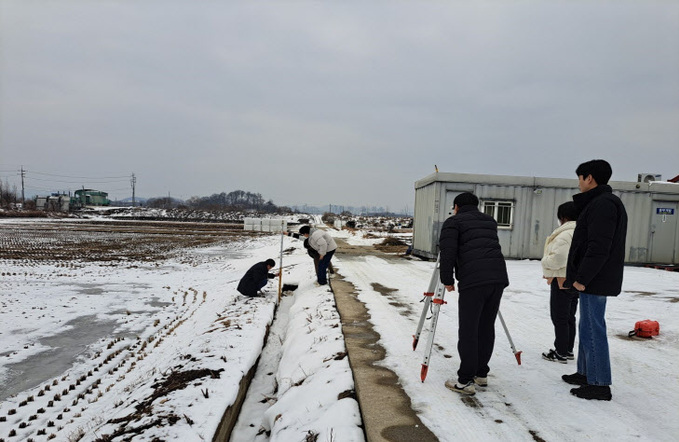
[{"x": 304, "y": 230}]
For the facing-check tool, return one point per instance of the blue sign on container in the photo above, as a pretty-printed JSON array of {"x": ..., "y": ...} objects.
[{"x": 664, "y": 211}]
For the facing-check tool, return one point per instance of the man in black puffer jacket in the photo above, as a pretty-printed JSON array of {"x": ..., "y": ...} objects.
[
  {"x": 470, "y": 247},
  {"x": 595, "y": 265},
  {"x": 256, "y": 277}
]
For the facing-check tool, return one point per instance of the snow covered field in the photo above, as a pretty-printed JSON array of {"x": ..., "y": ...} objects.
[{"x": 148, "y": 349}]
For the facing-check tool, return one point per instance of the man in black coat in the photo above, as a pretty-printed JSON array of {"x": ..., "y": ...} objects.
[
  {"x": 595, "y": 267},
  {"x": 256, "y": 277},
  {"x": 469, "y": 246}
]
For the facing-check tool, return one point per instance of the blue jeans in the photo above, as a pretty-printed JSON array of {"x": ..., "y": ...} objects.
[
  {"x": 323, "y": 268},
  {"x": 593, "y": 358}
]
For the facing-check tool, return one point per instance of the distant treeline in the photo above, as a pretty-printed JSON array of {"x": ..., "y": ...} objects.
[{"x": 236, "y": 200}]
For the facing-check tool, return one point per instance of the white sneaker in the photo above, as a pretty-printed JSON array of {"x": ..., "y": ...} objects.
[
  {"x": 481, "y": 381},
  {"x": 466, "y": 389},
  {"x": 553, "y": 356}
]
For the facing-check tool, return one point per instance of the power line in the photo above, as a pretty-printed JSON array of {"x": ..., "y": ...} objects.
[
  {"x": 75, "y": 182},
  {"x": 82, "y": 177},
  {"x": 39, "y": 189},
  {"x": 69, "y": 181}
]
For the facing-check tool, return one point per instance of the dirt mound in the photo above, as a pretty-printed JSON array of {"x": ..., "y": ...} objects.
[{"x": 392, "y": 245}]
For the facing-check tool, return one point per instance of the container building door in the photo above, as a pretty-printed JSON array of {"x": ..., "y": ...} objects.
[{"x": 663, "y": 231}]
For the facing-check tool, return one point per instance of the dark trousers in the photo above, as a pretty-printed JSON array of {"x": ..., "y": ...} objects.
[
  {"x": 259, "y": 284},
  {"x": 562, "y": 307},
  {"x": 330, "y": 268},
  {"x": 477, "y": 310},
  {"x": 323, "y": 268}
]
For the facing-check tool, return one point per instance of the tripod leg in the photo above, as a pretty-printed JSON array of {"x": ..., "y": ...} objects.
[
  {"x": 437, "y": 301},
  {"x": 427, "y": 303},
  {"x": 517, "y": 354}
]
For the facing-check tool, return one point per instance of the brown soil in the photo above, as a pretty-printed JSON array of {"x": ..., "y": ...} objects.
[
  {"x": 392, "y": 245},
  {"x": 389, "y": 249},
  {"x": 111, "y": 240}
]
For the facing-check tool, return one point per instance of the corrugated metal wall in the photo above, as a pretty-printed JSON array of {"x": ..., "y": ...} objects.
[
  {"x": 638, "y": 209},
  {"x": 534, "y": 216},
  {"x": 426, "y": 224},
  {"x": 535, "y": 204}
]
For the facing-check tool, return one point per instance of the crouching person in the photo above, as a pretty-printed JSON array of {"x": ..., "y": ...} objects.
[{"x": 256, "y": 278}]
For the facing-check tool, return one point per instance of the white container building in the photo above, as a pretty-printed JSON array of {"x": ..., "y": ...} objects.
[
  {"x": 265, "y": 224},
  {"x": 525, "y": 208}
]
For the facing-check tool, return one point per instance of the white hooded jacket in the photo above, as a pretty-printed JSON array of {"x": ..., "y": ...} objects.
[
  {"x": 557, "y": 245},
  {"x": 321, "y": 241}
]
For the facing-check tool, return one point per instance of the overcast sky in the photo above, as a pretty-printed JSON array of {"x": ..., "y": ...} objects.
[{"x": 319, "y": 102}]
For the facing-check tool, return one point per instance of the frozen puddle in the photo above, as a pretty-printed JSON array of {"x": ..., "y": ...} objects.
[{"x": 66, "y": 347}]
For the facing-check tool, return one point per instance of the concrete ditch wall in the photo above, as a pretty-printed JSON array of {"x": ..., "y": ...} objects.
[{"x": 230, "y": 417}]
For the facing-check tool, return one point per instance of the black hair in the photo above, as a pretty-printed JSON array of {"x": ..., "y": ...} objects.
[
  {"x": 271, "y": 263},
  {"x": 466, "y": 199},
  {"x": 304, "y": 230},
  {"x": 600, "y": 170},
  {"x": 567, "y": 212}
]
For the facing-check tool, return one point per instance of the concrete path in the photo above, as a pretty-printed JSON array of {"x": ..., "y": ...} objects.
[{"x": 386, "y": 409}]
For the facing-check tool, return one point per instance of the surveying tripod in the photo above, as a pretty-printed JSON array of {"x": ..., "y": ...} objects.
[{"x": 433, "y": 298}]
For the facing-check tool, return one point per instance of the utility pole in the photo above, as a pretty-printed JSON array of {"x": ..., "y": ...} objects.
[
  {"x": 23, "y": 174},
  {"x": 133, "y": 181}
]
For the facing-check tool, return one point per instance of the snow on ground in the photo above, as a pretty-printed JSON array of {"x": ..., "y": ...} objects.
[
  {"x": 138, "y": 328},
  {"x": 166, "y": 345},
  {"x": 529, "y": 402},
  {"x": 157, "y": 350},
  {"x": 304, "y": 385}
]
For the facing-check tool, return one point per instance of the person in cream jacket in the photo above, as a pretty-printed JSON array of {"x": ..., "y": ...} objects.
[{"x": 563, "y": 302}]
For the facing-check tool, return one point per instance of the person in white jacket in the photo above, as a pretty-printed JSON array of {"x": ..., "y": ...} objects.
[
  {"x": 563, "y": 302},
  {"x": 323, "y": 244}
]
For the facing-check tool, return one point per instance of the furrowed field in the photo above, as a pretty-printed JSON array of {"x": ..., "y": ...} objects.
[{"x": 94, "y": 318}]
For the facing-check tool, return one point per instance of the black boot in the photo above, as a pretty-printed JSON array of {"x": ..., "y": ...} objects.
[
  {"x": 575, "y": 379},
  {"x": 598, "y": 392}
]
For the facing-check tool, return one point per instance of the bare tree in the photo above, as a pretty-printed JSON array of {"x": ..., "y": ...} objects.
[
  {"x": 235, "y": 200},
  {"x": 8, "y": 194}
]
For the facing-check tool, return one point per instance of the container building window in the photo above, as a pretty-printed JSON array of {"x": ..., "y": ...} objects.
[{"x": 501, "y": 211}]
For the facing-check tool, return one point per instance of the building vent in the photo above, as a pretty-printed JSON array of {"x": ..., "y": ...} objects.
[{"x": 648, "y": 177}]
